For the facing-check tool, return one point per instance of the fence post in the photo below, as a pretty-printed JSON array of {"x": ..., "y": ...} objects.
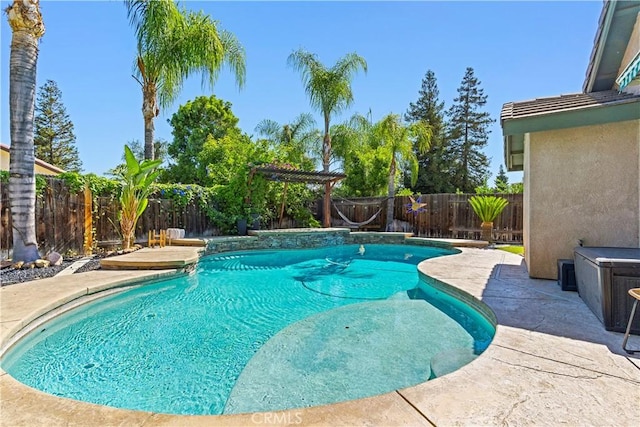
[{"x": 88, "y": 221}]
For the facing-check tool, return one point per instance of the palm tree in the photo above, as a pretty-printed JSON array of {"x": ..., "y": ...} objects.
[
  {"x": 296, "y": 140},
  {"x": 329, "y": 91},
  {"x": 397, "y": 141},
  {"x": 174, "y": 43},
  {"x": 27, "y": 27}
]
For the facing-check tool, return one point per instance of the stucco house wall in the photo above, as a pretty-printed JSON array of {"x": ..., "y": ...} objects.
[{"x": 580, "y": 183}]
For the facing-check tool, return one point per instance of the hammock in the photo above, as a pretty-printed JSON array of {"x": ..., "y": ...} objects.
[
  {"x": 353, "y": 202},
  {"x": 357, "y": 224}
]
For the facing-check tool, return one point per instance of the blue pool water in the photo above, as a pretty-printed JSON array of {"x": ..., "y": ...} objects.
[{"x": 257, "y": 331}]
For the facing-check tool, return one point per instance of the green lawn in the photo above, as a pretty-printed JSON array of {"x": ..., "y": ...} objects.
[{"x": 518, "y": 250}]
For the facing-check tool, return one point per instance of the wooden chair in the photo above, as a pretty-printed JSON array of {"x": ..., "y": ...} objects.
[
  {"x": 157, "y": 239},
  {"x": 635, "y": 293}
]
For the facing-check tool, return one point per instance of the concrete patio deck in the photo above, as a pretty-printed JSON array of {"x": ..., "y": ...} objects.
[
  {"x": 550, "y": 363},
  {"x": 168, "y": 257}
]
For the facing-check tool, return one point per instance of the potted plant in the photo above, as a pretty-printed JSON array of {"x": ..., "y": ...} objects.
[
  {"x": 241, "y": 224},
  {"x": 487, "y": 208}
]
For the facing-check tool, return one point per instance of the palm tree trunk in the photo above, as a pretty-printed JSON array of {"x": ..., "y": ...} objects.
[
  {"x": 149, "y": 111},
  {"x": 326, "y": 162},
  {"x": 391, "y": 193},
  {"x": 27, "y": 27}
]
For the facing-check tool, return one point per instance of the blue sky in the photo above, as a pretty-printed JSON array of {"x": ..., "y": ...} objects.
[{"x": 519, "y": 51}]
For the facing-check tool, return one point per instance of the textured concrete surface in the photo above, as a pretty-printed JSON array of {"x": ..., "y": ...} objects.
[
  {"x": 551, "y": 363},
  {"x": 168, "y": 257},
  {"x": 188, "y": 242}
]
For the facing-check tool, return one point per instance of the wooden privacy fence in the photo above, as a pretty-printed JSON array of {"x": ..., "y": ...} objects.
[
  {"x": 445, "y": 215},
  {"x": 71, "y": 223},
  {"x": 76, "y": 223},
  {"x": 61, "y": 219},
  {"x": 160, "y": 214}
]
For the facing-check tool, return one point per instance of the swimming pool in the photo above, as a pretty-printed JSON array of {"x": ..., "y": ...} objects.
[{"x": 257, "y": 331}]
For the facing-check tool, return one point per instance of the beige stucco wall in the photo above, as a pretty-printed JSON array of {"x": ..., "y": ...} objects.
[
  {"x": 526, "y": 200},
  {"x": 39, "y": 168},
  {"x": 580, "y": 183},
  {"x": 4, "y": 160}
]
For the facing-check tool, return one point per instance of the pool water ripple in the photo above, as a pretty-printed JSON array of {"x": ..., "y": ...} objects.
[{"x": 180, "y": 345}]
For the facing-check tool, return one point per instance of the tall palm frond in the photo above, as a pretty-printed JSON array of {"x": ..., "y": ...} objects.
[
  {"x": 298, "y": 139},
  {"x": 173, "y": 44},
  {"x": 398, "y": 140},
  {"x": 329, "y": 91}
]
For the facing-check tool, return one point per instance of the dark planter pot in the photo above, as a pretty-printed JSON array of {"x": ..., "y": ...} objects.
[
  {"x": 255, "y": 222},
  {"x": 242, "y": 227}
]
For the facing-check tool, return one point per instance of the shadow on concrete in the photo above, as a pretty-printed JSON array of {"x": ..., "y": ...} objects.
[{"x": 541, "y": 306}]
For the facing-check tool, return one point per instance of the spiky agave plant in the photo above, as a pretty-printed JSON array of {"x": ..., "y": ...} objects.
[
  {"x": 137, "y": 178},
  {"x": 488, "y": 207}
]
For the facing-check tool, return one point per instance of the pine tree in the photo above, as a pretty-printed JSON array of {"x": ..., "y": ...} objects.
[
  {"x": 468, "y": 134},
  {"x": 54, "y": 139},
  {"x": 434, "y": 170},
  {"x": 502, "y": 181}
]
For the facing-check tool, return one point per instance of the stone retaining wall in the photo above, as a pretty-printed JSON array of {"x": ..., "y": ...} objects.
[{"x": 310, "y": 238}]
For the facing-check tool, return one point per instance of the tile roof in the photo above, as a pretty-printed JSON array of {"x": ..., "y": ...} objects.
[{"x": 554, "y": 104}]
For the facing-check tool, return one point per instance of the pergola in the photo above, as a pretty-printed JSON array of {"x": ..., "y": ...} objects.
[{"x": 290, "y": 174}]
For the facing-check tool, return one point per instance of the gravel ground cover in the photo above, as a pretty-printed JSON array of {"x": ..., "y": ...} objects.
[{"x": 10, "y": 276}]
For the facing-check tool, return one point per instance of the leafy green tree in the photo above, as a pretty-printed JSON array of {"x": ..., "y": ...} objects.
[
  {"x": 228, "y": 161},
  {"x": 502, "y": 181},
  {"x": 160, "y": 149},
  {"x": 364, "y": 164},
  {"x": 468, "y": 134},
  {"x": 295, "y": 142},
  {"x": 27, "y": 27},
  {"x": 136, "y": 179},
  {"x": 225, "y": 156},
  {"x": 54, "y": 139},
  {"x": 516, "y": 188},
  {"x": 172, "y": 44},
  {"x": 366, "y": 171},
  {"x": 329, "y": 91},
  {"x": 397, "y": 141},
  {"x": 434, "y": 173},
  {"x": 193, "y": 124}
]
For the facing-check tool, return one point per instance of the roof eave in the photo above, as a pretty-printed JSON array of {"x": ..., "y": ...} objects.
[
  {"x": 623, "y": 110},
  {"x": 604, "y": 24},
  {"x": 514, "y": 129}
]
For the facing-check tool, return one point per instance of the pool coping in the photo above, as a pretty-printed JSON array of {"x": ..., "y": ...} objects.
[{"x": 541, "y": 372}]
